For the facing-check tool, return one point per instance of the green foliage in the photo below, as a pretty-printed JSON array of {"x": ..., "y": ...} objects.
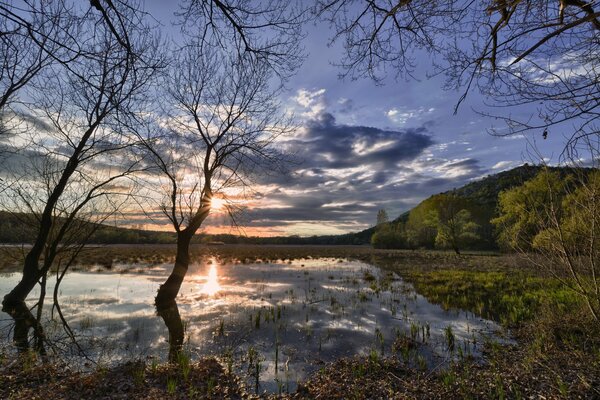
[
  {"x": 455, "y": 225},
  {"x": 509, "y": 297},
  {"x": 421, "y": 227},
  {"x": 525, "y": 211},
  {"x": 444, "y": 221},
  {"x": 457, "y": 232},
  {"x": 171, "y": 385},
  {"x": 389, "y": 236},
  {"x": 579, "y": 223}
]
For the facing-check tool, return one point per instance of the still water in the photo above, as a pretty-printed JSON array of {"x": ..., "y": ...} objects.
[{"x": 274, "y": 323}]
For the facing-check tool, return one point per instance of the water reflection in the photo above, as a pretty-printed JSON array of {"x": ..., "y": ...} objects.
[
  {"x": 169, "y": 312},
  {"x": 23, "y": 322},
  {"x": 211, "y": 287},
  {"x": 286, "y": 318}
]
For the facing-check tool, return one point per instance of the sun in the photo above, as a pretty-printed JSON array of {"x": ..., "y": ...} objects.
[{"x": 217, "y": 203}]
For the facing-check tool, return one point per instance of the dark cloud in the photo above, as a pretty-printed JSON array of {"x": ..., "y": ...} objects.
[
  {"x": 328, "y": 188},
  {"x": 331, "y": 145}
]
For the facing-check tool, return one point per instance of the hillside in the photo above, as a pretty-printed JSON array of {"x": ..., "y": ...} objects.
[
  {"x": 483, "y": 192},
  {"x": 480, "y": 198}
]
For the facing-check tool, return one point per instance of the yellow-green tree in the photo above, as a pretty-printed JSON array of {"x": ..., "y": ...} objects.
[
  {"x": 421, "y": 226},
  {"x": 455, "y": 225},
  {"x": 567, "y": 244},
  {"x": 443, "y": 221},
  {"x": 526, "y": 210},
  {"x": 388, "y": 235},
  {"x": 554, "y": 222}
]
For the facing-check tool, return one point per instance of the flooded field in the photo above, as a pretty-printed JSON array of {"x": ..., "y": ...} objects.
[{"x": 273, "y": 323}]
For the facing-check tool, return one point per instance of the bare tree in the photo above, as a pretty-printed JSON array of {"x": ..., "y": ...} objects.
[
  {"x": 541, "y": 53},
  {"x": 268, "y": 31},
  {"x": 222, "y": 127},
  {"x": 31, "y": 38},
  {"x": 80, "y": 152}
]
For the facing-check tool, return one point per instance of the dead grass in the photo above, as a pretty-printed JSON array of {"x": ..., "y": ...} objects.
[{"x": 205, "y": 379}]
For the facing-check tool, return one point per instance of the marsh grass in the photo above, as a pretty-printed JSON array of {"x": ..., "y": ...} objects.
[
  {"x": 495, "y": 292},
  {"x": 171, "y": 385}
]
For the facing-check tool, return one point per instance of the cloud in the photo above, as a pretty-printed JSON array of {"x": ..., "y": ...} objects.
[
  {"x": 400, "y": 116},
  {"x": 351, "y": 171},
  {"x": 346, "y": 106},
  {"x": 312, "y": 102},
  {"x": 328, "y": 145},
  {"x": 502, "y": 165}
]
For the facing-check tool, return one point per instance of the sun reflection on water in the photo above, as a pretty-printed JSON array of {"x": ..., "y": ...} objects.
[{"x": 211, "y": 287}]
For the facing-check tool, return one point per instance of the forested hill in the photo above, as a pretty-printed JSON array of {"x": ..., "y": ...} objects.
[
  {"x": 20, "y": 228},
  {"x": 462, "y": 217},
  {"x": 483, "y": 192}
]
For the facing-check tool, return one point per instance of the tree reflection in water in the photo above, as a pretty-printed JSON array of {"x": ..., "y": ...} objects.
[
  {"x": 169, "y": 312},
  {"x": 24, "y": 322}
]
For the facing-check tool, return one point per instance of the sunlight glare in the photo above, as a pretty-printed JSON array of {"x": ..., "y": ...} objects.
[
  {"x": 217, "y": 203},
  {"x": 211, "y": 287}
]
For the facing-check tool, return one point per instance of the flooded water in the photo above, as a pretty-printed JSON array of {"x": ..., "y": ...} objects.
[{"x": 274, "y": 323}]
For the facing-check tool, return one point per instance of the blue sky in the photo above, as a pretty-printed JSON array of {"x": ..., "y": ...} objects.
[{"x": 365, "y": 147}]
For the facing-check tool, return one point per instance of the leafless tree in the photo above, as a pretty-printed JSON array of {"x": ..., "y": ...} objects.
[
  {"x": 269, "y": 31},
  {"x": 221, "y": 128},
  {"x": 78, "y": 153},
  {"x": 540, "y": 53},
  {"x": 32, "y": 35}
]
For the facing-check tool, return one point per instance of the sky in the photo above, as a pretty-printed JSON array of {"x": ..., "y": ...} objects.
[
  {"x": 364, "y": 146},
  {"x": 361, "y": 146}
]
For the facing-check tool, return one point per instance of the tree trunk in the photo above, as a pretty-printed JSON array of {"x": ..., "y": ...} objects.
[
  {"x": 31, "y": 272},
  {"x": 168, "y": 291},
  {"x": 169, "y": 312},
  {"x": 19, "y": 293}
]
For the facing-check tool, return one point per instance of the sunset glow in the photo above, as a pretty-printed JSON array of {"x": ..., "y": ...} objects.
[{"x": 211, "y": 287}]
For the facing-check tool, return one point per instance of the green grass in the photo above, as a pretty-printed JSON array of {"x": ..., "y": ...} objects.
[{"x": 507, "y": 297}]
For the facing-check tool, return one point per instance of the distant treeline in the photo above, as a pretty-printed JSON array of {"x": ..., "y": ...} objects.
[{"x": 21, "y": 228}]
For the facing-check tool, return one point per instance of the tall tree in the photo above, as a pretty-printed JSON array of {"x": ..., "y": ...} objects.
[
  {"x": 81, "y": 105},
  {"x": 455, "y": 225},
  {"x": 553, "y": 222},
  {"x": 221, "y": 129},
  {"x": 382, "y": 217},
  {"x": 524, "y": 208},
  {"x": 421, "y": 226}
]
